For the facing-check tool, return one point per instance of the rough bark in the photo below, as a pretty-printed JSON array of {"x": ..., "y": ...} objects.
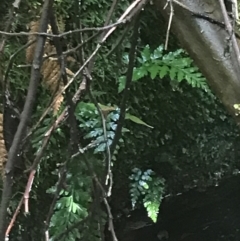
[
  {"x": 25, "y": 115},
  {"x": 206, "y": 43}
]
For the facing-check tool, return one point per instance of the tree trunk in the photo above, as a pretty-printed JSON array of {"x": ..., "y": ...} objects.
[{"x": 209, "y": 45}]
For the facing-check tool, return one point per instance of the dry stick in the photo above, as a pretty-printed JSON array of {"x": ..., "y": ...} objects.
[
  {"x": 33, "y": 170},
  {"x": 89, "y": 70},
  {"x": 27, "y": 191},
  {"x": 230, "y": 30},
  {"x": 65, "y": 33},
  {"x": 169, "y": 22},
  {"x": 22, "y": 127},
  {"x": 70, "y": 103},
  {"x": 107, "y": 21},
  {"x": 10, "y": 226}
]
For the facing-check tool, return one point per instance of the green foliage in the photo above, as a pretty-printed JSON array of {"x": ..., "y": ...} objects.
[
  {"x": 136, "y": 120},
  {"x": 91, "y": 123},
  {"x": 74, "y": 201},
  {"x": 173, "y": 64},
  {"x": 150, "y": 188},
  {"x": 188, "y": 125}
]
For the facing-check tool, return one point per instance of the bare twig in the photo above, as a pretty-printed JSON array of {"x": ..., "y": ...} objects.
[
  {"x": 169, "y": 22},
  {"x": 72, "y": 119},
  {"x": 109, "y": 16},
  {"x": 103, "y": 119},
  {"x": 27, "y": 190},
  {"x": 14, "y": 217},
  {"x": 119, "y": 40},
  {"x": 26, "y": 114},
  {"x": 110, "y": 217},
  {"x": 12, "y": 58},
  {"x": 108, "y": 152},
  {"x": 123, "y": 21},
  {"x": 127, "y": 86},
  {"x": 130, "y": 12},
  {"x": 59, "y": 187}
]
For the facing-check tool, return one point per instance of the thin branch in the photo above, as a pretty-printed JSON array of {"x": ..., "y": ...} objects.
[
  {"x": 110, "y": 12},
  {"x": 127, "y": 86},
  {"x": 2, "y": 44},
  {"x": 103, "y": 119},
  {"x": 57, "y": 122},
  {"x": 123, "y": 21},
  {"x": 59, "y": 187},
  {"x": 108, "y": 152},
  {"x": 130, "y": 12},
  {"x": 109, "y": 16},
  {"x": 110, "y": 217},
  {"x": 10, "y": 226},
  {"x": 7, "y": 28},
  {"x": 107, "y": 21},
  {"x": 12, "y": 58},
  {"x": 169, "y": 22},
  {"x": 119, "y": 40},
  {"x": 28, "y": 190},
  {"x": 71, "y": 119},
  {"x": 26, "y": 114}
]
